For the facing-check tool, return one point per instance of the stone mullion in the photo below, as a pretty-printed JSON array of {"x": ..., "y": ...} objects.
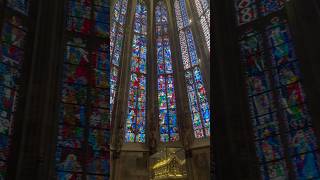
[
  {"x": 59, "y": 48},
  {"x": 184, "y": 121},
  {"x": 151, "y": 112},
  {"x": 120, "y": 104},
  {"x": 182, "y": 110}
]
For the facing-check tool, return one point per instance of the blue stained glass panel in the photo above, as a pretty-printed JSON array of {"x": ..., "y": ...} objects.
[
  {"x": 68, "y": 159},
  {"x": 70, "y": 137},
  {"x": 306, "y": 166},
  {"x": 11, "y": 55},
  {"x": 68, "y": 176},
  {"x": 274, "y": 170},
  {"x": 21, "y": 6},
  {"x": 302, "y": 141},
  {"x": 12, "y": 35},
  {"x": 269, "y": 149},
  {"x": 77, "y": 9},
  {"x": 73, "y": 115},
  {"x": 98, "y": 162}
]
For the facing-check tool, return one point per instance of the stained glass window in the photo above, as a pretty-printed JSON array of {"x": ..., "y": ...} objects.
[
  {"x": 116, "y": 40},
  {"x": 280, "y": 117},
  {"x": 198, "y": 102},
  {"x": 203, "y": 10},
  {"x": 12, "y": 56},
  {"x": 136, "y": 119},
  {"x": 166, "y": 92},
  {"x": 84, "y": 125}
]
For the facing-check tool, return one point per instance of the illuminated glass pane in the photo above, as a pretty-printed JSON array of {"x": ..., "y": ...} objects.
[
  {"x": 269, "y": 149},
  {"x": 12, "y": 35},
  {"x": 273, "y": 77},
  {"x": 8, "y": 75},
  {"x": 274, "y": 170},
  {"x": 302, "y": 141},
  {"x": 247, "y": 14},
  {"x": 99, "y": 98},
  {"x": 306, "y": 166},
  {"x": 4, "y": 146},
  {"x": 98, "y": 163},
  {"x": 99, "y": 118},
  {"x": 84, "y": 122},
  {"x": 77, "y": 9},
  {"x": 68, "y": 159},
  {"x": 76, "y": 55},
  {"x": 98, "y": 139},
  {"x": 79, "y": 25},
  {"x": 73, "y": 115},
  {"x": 70, "y": 137},
  {"x": 76, "y": 74},
  {"x": 21, "y": 6},
  {"x": 135, "y": 123},
  {"x": 68, "y": 176},
  {"x": 11, "y": 55}
]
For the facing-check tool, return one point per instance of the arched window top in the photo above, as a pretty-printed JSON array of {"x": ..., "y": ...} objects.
[{"x": 161, "y": 13}]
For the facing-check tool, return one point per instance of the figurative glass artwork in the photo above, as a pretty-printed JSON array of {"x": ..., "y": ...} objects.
[
  {"x": 198, "y": 102},
  {"x": 84, "y": 124},
  {"x": 136, "y": 116},
  {"x": 276, "y": 94},
  {"x": 203, "y": 10},
  {"x": 12, "y": 56},
  {"x": 116, "y": 40},
  {"x": 166, "y": 91}
]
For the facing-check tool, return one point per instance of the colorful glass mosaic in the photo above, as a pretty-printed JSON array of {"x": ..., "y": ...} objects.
[
  {"x": 136, "y": 117},
  {"x": 84, "y": 124},
  {"x": 198, "y": 102},
  {"x": 166, "y": 91},
  {"x": 203, "y": 9},
  {"x": 12, "y": 55},
  {"x": 276, "y": 94},
  {"x": 116, "y": 41}
]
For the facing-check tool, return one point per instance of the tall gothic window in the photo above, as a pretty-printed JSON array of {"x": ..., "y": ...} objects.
[
  {"x": 203, "y": 9},
  {"x": 166, "y": 92},
  {"x": 198, "y": 102},
  {"x": 83, "y": 132},
  {"x": 283, "y": 133},
  {"x": 136, "y": 119},
  {"x": 116, "y": 40},
  {"x": 12, "y": 56}
]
